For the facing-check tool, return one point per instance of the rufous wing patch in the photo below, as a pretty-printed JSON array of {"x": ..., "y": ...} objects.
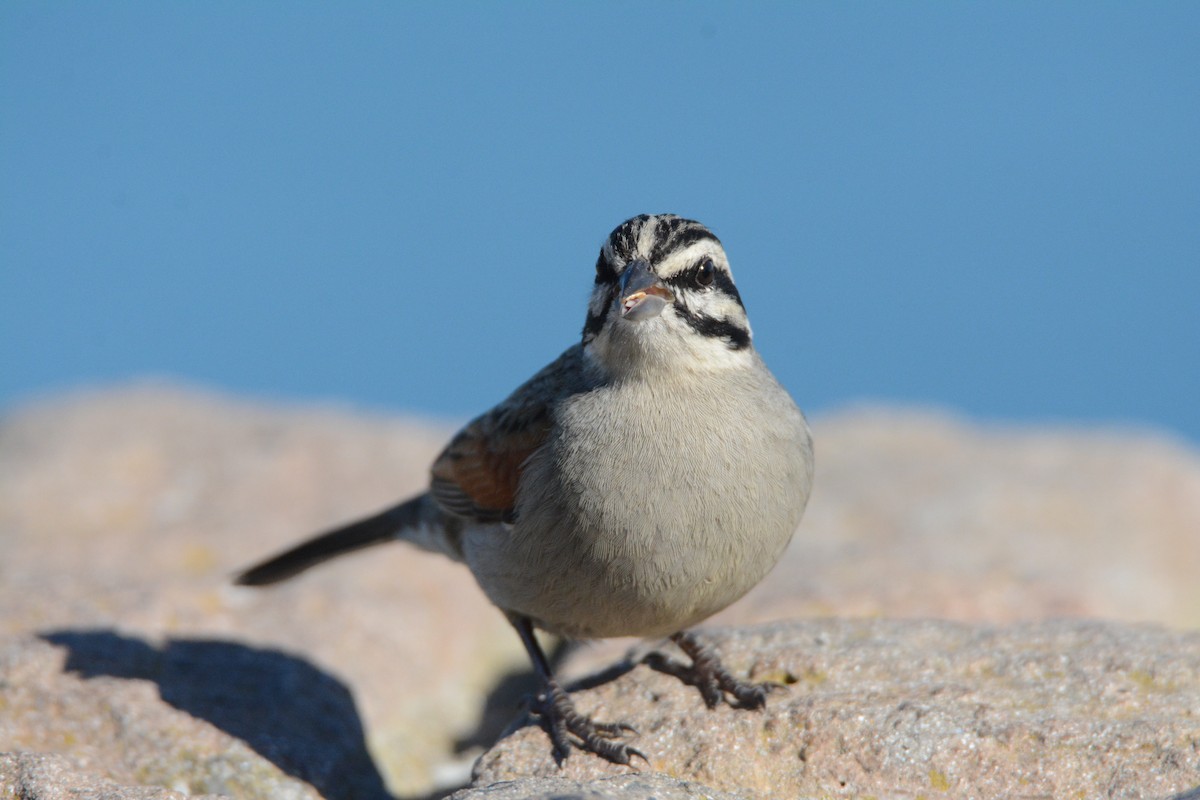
[{"x": 477, "y": 474}]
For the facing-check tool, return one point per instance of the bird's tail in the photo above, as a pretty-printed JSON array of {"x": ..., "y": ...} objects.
[{"x": 418, "y": 520}]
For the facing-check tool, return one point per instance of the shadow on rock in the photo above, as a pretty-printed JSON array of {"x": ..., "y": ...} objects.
[
  {"x": 508, "y": 704},
  {"x": 298, "y": 717},
  {"x": 507, "y": 699}
]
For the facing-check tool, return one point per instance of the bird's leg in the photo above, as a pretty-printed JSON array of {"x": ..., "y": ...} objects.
[
  {"x": 711, "y": 677},
  {"x": 556, "y": 707}
]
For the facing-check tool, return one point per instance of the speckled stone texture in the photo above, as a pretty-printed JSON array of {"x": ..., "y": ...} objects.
[
  {"x": 124, "y": 513},
  {"x": 41, "y": 776},
  {"x": 649, "y": 786},
  {"x": 127, "y": 734},
  {"x": 908, "y": 709}
]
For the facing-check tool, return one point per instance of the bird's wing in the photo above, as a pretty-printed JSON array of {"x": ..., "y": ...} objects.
[{"x": 477, "y": 475}]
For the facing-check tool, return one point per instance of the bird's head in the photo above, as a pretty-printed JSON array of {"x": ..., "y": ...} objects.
[{"x": 664, "y": 295}]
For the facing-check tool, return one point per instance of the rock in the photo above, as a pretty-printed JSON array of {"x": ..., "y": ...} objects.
[
  {"x": 131, "y": 511},
  {"x": 124, "y": 513},
  {"x": 923, "y": 515},
  {"x": 615, "y": 787},
  {"x": 891, "y": 708},
  {"x": 39, "y": 776},
  {"x": 117, "y": 738}
]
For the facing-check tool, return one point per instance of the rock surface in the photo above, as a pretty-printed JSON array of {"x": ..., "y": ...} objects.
[
  {"x": 126, "y": 513},
  {"x": 39, "y": 776},
  {"x": 650, "y": 786},
  {"x": 892, "y": 708},
  {"x": 123, "y": 514},
  {"x": 195, "y": 717}
]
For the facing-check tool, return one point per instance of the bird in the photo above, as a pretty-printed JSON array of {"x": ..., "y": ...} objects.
[{"x": 641, "y": 482}]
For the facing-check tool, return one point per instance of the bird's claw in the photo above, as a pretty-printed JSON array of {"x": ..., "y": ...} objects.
[
  {"x": 564, "y": 721},
  {"x": 709, "y": 675}
]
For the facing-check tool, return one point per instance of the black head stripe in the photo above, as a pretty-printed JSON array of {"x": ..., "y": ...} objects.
[
  {"x": 665, "y": 225},
  {"x": 605, "y": 271},
  {"x": 671, "y": 234},
  {"x": 722, "y": 282},
  {"x": 595, "y": 321},
  {"x": 686, "y": 236},
  {"x": 623, "y": 240},
  {"x": 737, "y": 337},
  {"x": 666, "y": 228}
]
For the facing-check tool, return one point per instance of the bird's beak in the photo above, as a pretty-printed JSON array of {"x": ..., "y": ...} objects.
[{"x": 643, "y": 295}]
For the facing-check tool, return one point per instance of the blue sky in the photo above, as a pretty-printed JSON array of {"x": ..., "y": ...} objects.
[{"x": 992, "y": 208}]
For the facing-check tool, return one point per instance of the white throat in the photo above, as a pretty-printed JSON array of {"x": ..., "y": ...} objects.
[{"x": 665, "y": 344}]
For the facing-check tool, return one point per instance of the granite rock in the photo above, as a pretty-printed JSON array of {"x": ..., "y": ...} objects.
[
  {"x": 908, "y": 709},
  {"x": 42, "y": 776},
  {"x": 649, "y": 786},
  {"x": 119, "y": 737},
  {"x": 124, "y": 513}
]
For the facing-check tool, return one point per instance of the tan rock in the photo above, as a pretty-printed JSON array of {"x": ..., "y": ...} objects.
[
  {"x": 131, "y": 510},
  {"x": 923, "y": 515},
  {"x": 909, "y": 709},
  {"x": 128, "y": 510},
  {"x": 43, "y": 776},
  {"x": 115, "y": 737},
  {"x": 615, "y": 787}
]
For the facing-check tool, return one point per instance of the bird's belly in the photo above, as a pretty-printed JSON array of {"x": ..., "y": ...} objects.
[
  {"x": 632, "y": 577},
  {"x": 620, "y": 540},
  {"x": 588, "y": 592}
]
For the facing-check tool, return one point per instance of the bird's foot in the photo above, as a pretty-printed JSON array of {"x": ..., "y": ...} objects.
[
  {"x": 710, "y": 676},
  {"x": 563, "y": 720}
]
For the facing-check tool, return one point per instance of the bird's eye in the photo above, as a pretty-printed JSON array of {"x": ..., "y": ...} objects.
[{"x": 705, "y": 272}]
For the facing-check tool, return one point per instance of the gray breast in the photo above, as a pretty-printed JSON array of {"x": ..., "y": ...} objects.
[{"x": 653, "y": 507}]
